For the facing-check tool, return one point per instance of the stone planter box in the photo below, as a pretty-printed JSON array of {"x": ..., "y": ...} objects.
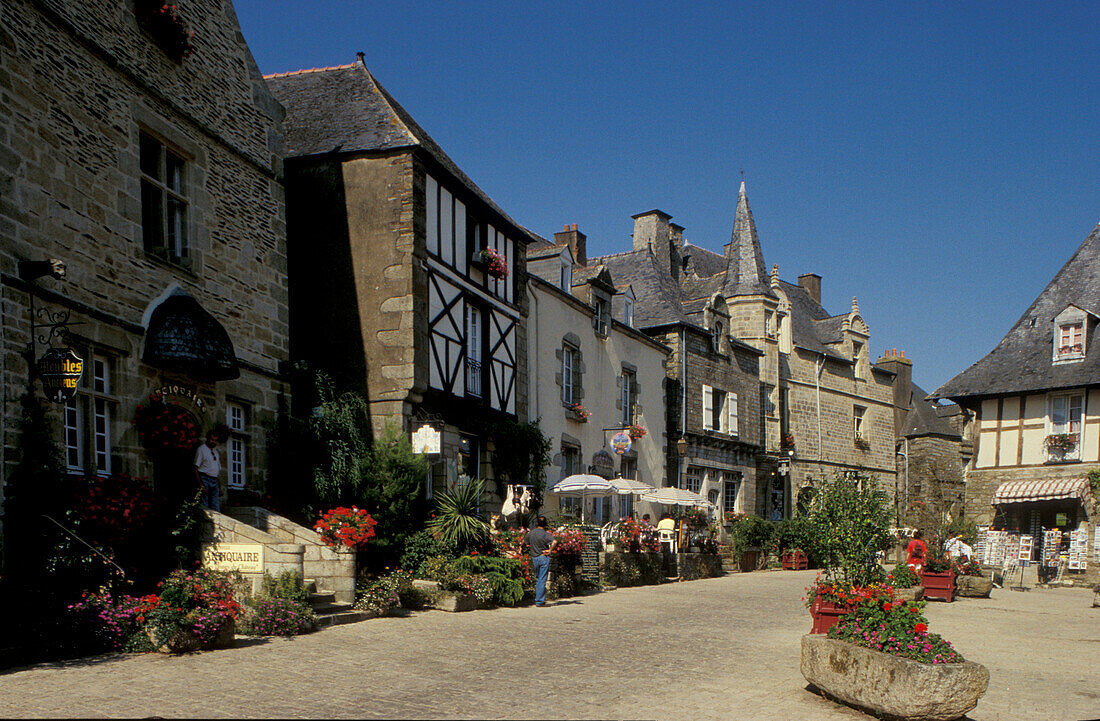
[
  {"x": 939, "y": 585},
  {"x": 973, "y": 586},
  {"x": 886, "y": 685},
  {"x": 915, "y": 593},
  {"x": 455, "y": 603},
  {"x": 186, "y": 642}
]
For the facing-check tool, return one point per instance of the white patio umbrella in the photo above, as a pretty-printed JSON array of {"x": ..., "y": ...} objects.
[
  {"x": 671, "y": 496},
  {"x": 629, "y": 486},
  {"x": 584, "y": 485}
]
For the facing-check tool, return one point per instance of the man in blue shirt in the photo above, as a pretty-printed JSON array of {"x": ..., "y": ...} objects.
[{"x": 542, "y": 545}]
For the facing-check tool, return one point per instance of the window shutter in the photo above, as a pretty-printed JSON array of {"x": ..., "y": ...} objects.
[
  {"x": 708, "y": 407},
  {"x": 731, "y": 405}
]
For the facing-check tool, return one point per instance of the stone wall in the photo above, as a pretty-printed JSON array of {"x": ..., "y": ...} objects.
[
  {"x": 79, "y": 84},
  {"x": 280, "y": 554}
]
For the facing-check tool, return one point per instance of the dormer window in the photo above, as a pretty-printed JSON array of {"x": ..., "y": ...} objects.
[
  {"x": 716, "y": 337},
  {"x": 857, "y": 359},
  {"x": 1070, "y": 337},
  {"x": 566, "y": 280},
  {"x": 628, "y": 312},
  {"x": 602, "y": 320}
]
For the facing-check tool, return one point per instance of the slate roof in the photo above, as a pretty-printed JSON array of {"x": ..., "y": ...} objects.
[
  {"x": 923, "y": 418},
  {"x": 344, "y": 109},
  {"x": 806, "y": 317},
  {"x": 704, "y": 263},
  {"x": 1021, "y": 362},
  {"x": 542, "y": 249},
  {"x": 745, "y": 274},
  {"x": 657, "y": 295},
  {"x": 829, "y": 330}
]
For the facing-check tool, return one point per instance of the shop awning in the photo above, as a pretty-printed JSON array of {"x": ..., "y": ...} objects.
[
  {"x": 182, "y": 336},
  {"x": 1028, "y": 491}
]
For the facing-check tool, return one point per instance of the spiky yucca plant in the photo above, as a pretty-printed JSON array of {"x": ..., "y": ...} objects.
[{"x": 458, "y": 515}]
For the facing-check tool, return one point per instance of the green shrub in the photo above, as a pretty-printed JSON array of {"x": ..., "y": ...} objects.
[
  {"x": 751, "y": 532},
  {"x": 421, "y": 546},
  {"x": 277, "y": 616},
  {"x": 287, "y": 586},
  {"x": 505, "y": 574},
  {"x": 850, "y": 520},
  {"x": 437, "y": 568},
  {"x": 643, "y": 569},
  {"x": 458, "y": 518},
  {"x": 903, "y": 577},
  {"x": 383, "y": 594}
]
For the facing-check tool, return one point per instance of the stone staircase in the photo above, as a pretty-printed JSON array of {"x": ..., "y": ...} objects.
[
  {"x": 729, "y": 565},
  {"x": 331, "y": 612}
]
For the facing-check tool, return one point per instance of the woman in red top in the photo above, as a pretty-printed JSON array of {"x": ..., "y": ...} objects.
[{"x": 917, "y": 551}]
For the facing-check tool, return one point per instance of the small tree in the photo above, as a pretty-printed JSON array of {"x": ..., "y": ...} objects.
[
  {"x": 850, "y": 520},
  {"x": 392, "y": 489}
]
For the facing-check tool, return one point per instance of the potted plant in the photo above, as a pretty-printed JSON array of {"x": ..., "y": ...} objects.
[
  {"x": 345, "y": 528},
  {"x": 938, "y": 578},
  {"x": 635, "y": 431},
  {"x": 196, "y": 610},
  {"x": 906, "y": 583},
  {"x": 793, "y": 559},
  {"x": 882, "y": 658},
  {"x": 577, "y": 412},
  {"x": 970, "y": 580},
  {"x": 168, "y": 30},
  {"x": 1061, "y": 443},
  {"x": 495, "y": 264}
]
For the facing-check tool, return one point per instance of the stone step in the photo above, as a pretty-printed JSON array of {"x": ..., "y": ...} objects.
[
  {"x": 331, "y": 607},
  {"x": 320, "y": 598},
  {"x": 309, "y": 584},
  {"x": 339, "y": 618}
]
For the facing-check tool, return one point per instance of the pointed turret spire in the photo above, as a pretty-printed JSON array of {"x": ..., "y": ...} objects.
[{"x": 745, "y": 274}]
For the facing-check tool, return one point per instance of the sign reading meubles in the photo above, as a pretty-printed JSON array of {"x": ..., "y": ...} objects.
[{"x": 243, "y": 557}]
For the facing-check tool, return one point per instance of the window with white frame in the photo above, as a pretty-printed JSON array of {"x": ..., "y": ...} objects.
[
  {"x": 858, "y": 413},
  {"x": 626, "y": 396},
  {"x": 473, "y": 350},
  {"x": 628, "y": 312},
  {"x": 694, "y": 479},
  {"x": 163, "y": 200},
  {"x": 731, "y": 489},
  {"x": 857, "y": 359},
  {"x": 569, "y": 374},
  {"x": 720, "y": 411},
  {"x": 1071, "y": 339},
  {"x": 565, "y": 282},
  {"x": 602, "y": 319},
  {"x": 89, "y": 418},
  {"x": 236, "y": 417},
  {"x": 1065, "y": 414}
]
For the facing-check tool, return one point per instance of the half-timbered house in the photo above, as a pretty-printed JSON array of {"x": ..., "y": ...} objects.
[{"x": 408, "y": 281}]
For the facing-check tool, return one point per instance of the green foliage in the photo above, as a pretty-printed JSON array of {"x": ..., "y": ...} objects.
[
  {"x": 421, "y": 546},
  {"x": 1094, "y": 483},
  {"x": 458, "y": 518},
  {"x": 381, "y": 595},
  {"x": 521, "y": 455},
  {"x": 751, "y": 532},
  {"x": 339, "y": 429},
  {"x": 505, "y": 575},
  {"x": 392, "y": 489},
  {"x": 287, "y": 585},
  {"x": 895, "y": 627},
  {"x": 850, "y": 520},
  {"x": 903, "y": 577},
  {"x": 635, "y": 569}
]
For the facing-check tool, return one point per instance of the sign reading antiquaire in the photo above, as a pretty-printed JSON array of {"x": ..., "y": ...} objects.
[{"x": 243, "y": 557}]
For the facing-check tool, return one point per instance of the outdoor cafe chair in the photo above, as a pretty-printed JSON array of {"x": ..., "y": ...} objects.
[{"x": 666, "y": 536}]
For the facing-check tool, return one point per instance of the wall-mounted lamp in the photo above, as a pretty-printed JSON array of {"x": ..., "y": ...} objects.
[{"x": 682, "y": 446}]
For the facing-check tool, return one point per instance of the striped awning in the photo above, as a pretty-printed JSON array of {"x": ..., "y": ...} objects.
[{"x": 1027, "y": 491}]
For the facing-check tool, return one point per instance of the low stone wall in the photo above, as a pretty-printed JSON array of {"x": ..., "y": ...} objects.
[
  {"x": 691, "y": 566},
  {"x": 334, "y": 571},
  {"x": 279, "y": 555}
]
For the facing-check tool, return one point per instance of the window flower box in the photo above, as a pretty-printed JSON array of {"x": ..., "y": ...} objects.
[
  {"x": 161, "y": 20},
  {"x": 636, "y": 432},
  {"x": 1061, "y": 443},
  {"x": 862, "y": 443},
  {"x": 577, "y": 412},
  {"x": 495, "y": 264}
]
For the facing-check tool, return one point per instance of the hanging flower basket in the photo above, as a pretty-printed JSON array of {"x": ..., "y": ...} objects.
[
  {"x": 495, "y": 264},
  {"x": 345, "y": 528},
  {"x": 163, "y": 22},
  {"x": 635, "y": 432},
  {"x": 165, "y": 427}
]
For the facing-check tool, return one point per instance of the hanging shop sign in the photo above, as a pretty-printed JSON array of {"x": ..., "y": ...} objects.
[
  {"x": 620, "y": 443},
  {"x": 426, "y": 439},
  {"x": 60, "y": 370},
  {"x": 243, "y": 557},
  {"x": 603, "y": 463}
]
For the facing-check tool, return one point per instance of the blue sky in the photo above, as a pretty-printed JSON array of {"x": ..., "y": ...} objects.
[{"x": 935, "y": 160}]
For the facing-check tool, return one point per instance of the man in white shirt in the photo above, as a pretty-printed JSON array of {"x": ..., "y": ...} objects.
[{"x": 207, "y": 469}]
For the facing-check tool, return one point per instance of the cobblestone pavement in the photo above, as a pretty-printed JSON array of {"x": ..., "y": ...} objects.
[{"x": 714, "y": 649}]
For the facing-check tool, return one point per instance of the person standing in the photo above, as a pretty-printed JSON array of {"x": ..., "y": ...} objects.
[
  {"x": 207, "y": 469},
  {"x": 917, "y": 551},
  {"x": 542, "y": 544}
]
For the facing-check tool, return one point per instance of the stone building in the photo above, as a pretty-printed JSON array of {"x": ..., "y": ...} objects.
[
  {"x": 391, "y": 290},
  {"x": 766, "y": 386},
  {"x": 584, "y": 349},
  {"x": 154, "y": 177},
  {"x": 1032, "y": 413}
]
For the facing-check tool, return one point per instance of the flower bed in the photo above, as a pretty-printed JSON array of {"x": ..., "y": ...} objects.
[{"x": 196, "y": 610}]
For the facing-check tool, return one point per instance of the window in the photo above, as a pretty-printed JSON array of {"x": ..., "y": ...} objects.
[
  {"x": 163, "y": 200},
  {"x": 92, "y": 408},
  {"x": 628, "y": 468},
  {"x": 694, "y": 479},
  {"x": 720, "y": 411},
  {"x": 569, "y": 375},
  {"x": 626, "y": 505},
  {"x": 857, "y": 359},
  {"x": 1070, "y": 339},
  {"x": 1065, "y": 414},
  {"x": 566, "y": 280},
  {"x": 473, "y": 351},
  {"x": 469, "y": 456},
  {"x": 570, "y": 464},
  {"x": 626, "y": 397},
  {"x": 731, "y": 488},
  {"x": 628, "y": 312},
  {"x": 236, "y": 417},
  {"x": 602, "y": 320},
  {"x": 716, "y": 338},
  {"x": 857, "y": 423}
]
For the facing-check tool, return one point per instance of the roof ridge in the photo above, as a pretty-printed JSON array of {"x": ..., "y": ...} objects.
[{"x": 309, "y": 70}]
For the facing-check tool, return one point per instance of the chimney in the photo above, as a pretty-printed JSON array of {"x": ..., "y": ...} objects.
[
  {"x": 652, "y": 230},
  {"x": 676, "y": 234},
  {"x": 576, "y": 240},
  {"x": 903, "y": 384},
  {"x": 811, "y": 282}
]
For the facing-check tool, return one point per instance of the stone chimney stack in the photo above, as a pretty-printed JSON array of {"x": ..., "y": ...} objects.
[
  {"x": 652, "y": 230},
  {"x": 577, "y": 242},
  {"x": 902, "y": 367},
  {"x": 811, "y": 282},
  {"x": 676, "y": 233}
]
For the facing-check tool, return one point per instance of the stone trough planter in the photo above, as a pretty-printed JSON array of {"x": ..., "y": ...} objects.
[
  {"x": 886, "y": 685},
  {"x": 915, "y": 593},
  {"x": 455, "y": 603},
  {"x": 973, "y": 586}
]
